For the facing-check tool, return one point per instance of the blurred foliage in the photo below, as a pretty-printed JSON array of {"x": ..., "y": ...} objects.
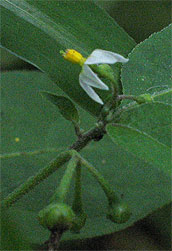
[
  {"x": 9, "y": 61},
  {"x": 158, "y": 226},
  {"x": 46, "y": 27},
  {"x": 139, "y": 18},
  {"x": 13, "y": 235}
]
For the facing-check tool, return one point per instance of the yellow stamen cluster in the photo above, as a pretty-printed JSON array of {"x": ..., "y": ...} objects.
[{"x": 74, "y": 56}]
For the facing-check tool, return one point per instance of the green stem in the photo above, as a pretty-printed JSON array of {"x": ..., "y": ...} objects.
[
  {"x": 78, "y": 131},
  {"x": 92, "y": 134},
  {"x": 131, "y": 97},
  {"x": 77, "y": 202},
  {"x": 112, "y": 197},
  {"x": 35, "y": 180},
  {"x": 61, "y": 192},
  {"x": 53, "y": 166}
]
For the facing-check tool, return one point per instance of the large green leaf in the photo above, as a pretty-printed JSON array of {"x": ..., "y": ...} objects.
[
  {"x": 142, "y": 146},
  {"x": 13, "y": 235},
  {"x": 38, "y": 126},
  {"x": 65, "y": 106},
  {"x": 37, "y": 30},
  {"x": 140, "y": 14},
  {"x": 149, "y": 67},
  {"x": 152, "y": 118}
]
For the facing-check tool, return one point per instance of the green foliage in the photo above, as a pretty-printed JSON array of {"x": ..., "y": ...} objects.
[
  {"x": 152, "y": 118},
  {"x": 66, "y": 106},
  {"x": 142, "y": 146},
  {"x": 148, "y": 69},
  {"x": 46, "y": 27},
  {"x": 12, "y": 234},
  {"x": 145, "y": 188},
  {"x": 134, "y": 156},
  {"x": 139, "y": 18}
]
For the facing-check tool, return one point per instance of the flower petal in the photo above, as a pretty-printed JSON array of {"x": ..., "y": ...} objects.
[
  {"x": 99, "y": 56},
  {"x": 91, "y": 93},
  {"x": 90, "y": 78}
]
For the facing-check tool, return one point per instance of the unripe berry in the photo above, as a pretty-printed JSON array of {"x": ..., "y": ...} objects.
[
  {"x": 119, "y": 213},
  {"x": 56, "y": 217}
]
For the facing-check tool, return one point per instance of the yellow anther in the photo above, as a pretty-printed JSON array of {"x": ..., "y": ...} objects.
[{"x": 74, "y": 56}]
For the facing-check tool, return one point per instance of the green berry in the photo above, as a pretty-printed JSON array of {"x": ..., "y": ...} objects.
[
  {"x": 56, "y": 216},
  {"x": 119, "y": 213}
]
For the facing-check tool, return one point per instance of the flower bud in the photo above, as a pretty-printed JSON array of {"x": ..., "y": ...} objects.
[
  {"x": 56, "y": 217},
  {"x": 119, "y": 213},
  {"x": 144, "y": 98}
]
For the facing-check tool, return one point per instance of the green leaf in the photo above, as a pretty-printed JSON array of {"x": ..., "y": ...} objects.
[
  {"x": 152, "y": 118},
  {"x": 65, "y": 105},
  {"x": 149, "y": 66},
  {"x": 37, "y": 30},
  {"x": 145, "y": 24},
  {"x": 164, "y": 96},
  {"x": 12, "y": 234},
  {"x": 40, "y": 126},
  {"x": 142, "y": 146}
]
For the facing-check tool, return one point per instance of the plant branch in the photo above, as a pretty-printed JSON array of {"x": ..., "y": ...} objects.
[
  {"x": 93, "y": 134},
  {"x": 62, "y": 190},
  {"x": 53, "y": 166},
  {"x": 131, "y": 97},
  {"x": 54, "y": 240},
  {"x": 77, "y": 202}
]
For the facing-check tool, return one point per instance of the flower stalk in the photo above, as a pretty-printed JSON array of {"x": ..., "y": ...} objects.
[
  {"x": 61, "y": 192},
  {"x": 111, "y": 196},
  {"x": 77, "y": 204}
]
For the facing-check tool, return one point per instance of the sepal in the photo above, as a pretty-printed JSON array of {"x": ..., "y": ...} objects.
[{"x": 104, "y": 71}]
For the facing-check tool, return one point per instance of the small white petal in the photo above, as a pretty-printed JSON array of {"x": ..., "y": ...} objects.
[
  {"x": 91, "y": 93},
  {"x": 90, "y": 78},
  {"x": 99, "y": 56}
]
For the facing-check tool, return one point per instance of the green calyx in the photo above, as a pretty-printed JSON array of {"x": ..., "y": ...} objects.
[
  {"x": 119, "y": 213},
  {"x": 56, "y": 217},
  {"x": 104, "y": 71}
]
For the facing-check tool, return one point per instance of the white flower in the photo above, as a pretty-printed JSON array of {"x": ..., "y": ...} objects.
[{"x": 89, "y": 79}]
